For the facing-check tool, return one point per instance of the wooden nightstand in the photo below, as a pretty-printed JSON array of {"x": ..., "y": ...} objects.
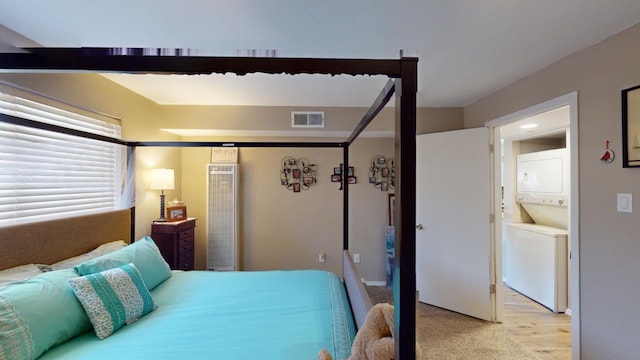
[{"x": 176, "y": 242}]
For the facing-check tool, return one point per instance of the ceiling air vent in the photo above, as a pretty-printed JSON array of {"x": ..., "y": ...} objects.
[{"x": 307, "y": 119}]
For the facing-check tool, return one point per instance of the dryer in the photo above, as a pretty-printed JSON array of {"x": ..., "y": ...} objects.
[{"x": 543, "y": 186}]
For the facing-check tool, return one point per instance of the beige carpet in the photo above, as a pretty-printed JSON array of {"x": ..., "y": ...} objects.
[{"x": 444, "y": 335}]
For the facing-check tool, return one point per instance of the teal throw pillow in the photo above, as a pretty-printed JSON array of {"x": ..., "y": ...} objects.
[
  {"x": 144, "y": 254},
  {"x": 113, "y": 298}
]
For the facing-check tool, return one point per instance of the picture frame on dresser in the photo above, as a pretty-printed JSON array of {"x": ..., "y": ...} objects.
[{"x": 176, "y": 213}]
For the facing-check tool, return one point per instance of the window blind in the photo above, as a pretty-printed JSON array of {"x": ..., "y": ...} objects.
[{"x": 47, "y": 175}]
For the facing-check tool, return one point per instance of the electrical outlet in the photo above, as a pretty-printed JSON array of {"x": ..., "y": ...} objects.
[
  {"x": 356, "y": 258},
  {"x": 322, "y": 257}
]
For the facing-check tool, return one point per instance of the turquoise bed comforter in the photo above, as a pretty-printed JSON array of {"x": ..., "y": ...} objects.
[{"x": 264, "y": 315}]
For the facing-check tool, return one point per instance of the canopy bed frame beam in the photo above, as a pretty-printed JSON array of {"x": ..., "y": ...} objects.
[
  {"x": 403, "y": 70},
  {"x": 379, "y": 103},
  {"x": 137, "y": 61},
  {"x": 239, "y": 144},
  {"x": 58, "y": 129},
  {"x": 64, "y": 130}
]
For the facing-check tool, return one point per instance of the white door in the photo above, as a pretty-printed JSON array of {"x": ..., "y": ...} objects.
[{"x": 453, "y": 198}]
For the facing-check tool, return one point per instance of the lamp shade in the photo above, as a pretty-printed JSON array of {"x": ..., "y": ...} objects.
[{"x": 162, "y": 179}]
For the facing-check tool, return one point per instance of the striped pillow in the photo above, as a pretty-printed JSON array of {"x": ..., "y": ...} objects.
[{"x": 113, "y": 298}]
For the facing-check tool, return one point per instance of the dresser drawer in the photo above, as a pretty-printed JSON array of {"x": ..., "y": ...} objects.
[
  {"x": 185, "y": 248},
  {"x": 185, "y": 240},
  {"x": 186, "y": 234},
  {"x": 176, "y": 242},
  {"x": 186, "y": 225},
  {"x": 185, "y": 262}
]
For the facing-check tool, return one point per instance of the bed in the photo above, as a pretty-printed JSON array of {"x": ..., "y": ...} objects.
[
  {"x": 290, "y": 314},
  {"x": 402, "y": 75}
]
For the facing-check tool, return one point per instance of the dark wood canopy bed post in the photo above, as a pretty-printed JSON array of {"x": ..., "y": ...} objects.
[
  {"x": 404, "y": 279},
  {"x": 404, "y": 71},
  {"x": 345, "y": 198}
]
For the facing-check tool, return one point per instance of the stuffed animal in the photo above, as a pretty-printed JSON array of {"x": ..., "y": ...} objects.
[
  {"x": 324, "y": 355},
  {"x": 374, "y": 341}
]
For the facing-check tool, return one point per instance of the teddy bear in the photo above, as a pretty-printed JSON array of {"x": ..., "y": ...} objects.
[{"x": 374, "y": 340}]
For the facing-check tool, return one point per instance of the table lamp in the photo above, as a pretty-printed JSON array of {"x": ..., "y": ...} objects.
[{"x": 162, "y": 179}]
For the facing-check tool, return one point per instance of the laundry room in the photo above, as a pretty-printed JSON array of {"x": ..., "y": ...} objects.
[{"x": 536, "y": 188}]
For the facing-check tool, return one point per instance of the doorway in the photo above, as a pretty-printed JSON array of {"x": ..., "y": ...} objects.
[{"x": 550, "y": 128}]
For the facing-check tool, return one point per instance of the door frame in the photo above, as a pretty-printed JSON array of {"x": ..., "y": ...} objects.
[{"x": 570, "y": 99}]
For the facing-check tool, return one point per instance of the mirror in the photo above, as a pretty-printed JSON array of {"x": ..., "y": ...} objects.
[{"x": 631, "y": 127}]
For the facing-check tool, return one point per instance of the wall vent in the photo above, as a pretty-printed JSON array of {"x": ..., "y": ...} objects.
[
  {"x": 222, "y": 217},
  {"x": 307, "y": 119}
]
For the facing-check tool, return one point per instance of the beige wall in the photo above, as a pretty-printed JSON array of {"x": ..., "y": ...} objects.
[
  {"x": 267, "y": 118},
  {"x": 279, "y": 229},
  {"x": 279, "y": 118},
  {"x": 430, "y": 120},
  {"x": 534, "y": 145},
  {"x": 609, "y": 242}
]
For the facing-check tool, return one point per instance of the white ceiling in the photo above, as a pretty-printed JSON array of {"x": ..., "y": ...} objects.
[
  {"x": 553, "y": 123},
  {"x": 467, "y": 49}
]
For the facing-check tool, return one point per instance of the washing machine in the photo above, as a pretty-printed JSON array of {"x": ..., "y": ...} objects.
[{"x": 536, "y": 263}]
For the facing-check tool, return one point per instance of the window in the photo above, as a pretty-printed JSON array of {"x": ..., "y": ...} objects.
[{"x": 47, "y": 175}]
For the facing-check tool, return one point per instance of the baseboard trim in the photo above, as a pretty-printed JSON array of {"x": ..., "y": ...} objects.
[{"x": 567, "y": 312}]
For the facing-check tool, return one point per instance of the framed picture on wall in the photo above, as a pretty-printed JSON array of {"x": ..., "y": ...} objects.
[
  {"x": 392, "y": 209},
  {"x": 630, "y": 129}
]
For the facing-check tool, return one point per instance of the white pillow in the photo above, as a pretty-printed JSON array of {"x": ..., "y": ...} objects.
[
  {"x": 103, "y": 249},
  {"x": 18, "y": 273}
]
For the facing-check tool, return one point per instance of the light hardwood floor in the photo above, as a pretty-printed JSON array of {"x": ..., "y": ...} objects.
[{"x": 546, "y": 333}]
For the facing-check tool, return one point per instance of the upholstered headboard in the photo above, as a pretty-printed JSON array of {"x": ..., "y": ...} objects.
[{"x": 50, "y": 241}]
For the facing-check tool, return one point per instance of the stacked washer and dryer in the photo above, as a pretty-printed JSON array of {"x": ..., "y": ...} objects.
[{"x": 536, "y": 253}]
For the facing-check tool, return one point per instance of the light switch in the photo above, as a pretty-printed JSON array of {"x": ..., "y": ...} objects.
[{"x": 625, "y": 203}]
